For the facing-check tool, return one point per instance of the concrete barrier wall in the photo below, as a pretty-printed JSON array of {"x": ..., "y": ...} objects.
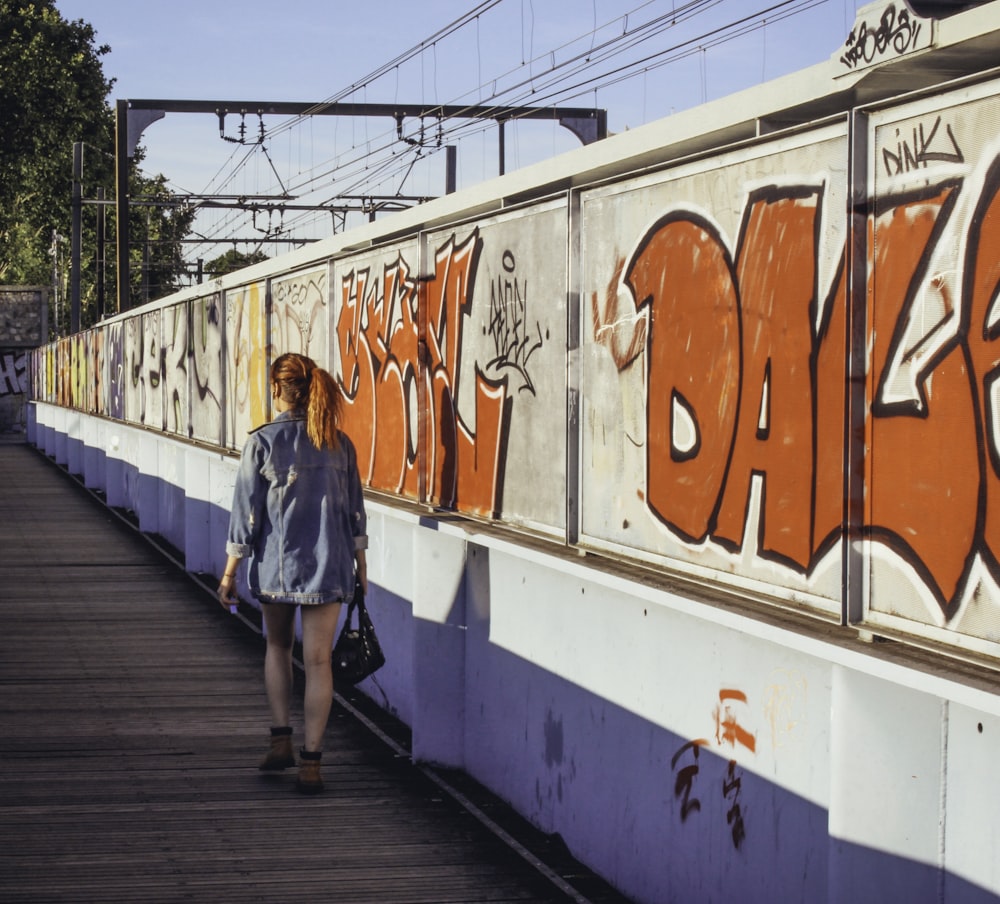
[
  {"x": 683, "y": 748},
  {"x": 657, "y": 437},
  {"x": 716, "y": 368}
]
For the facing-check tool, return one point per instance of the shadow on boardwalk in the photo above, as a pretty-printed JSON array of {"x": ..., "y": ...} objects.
[{"x": 133, "y": 718}]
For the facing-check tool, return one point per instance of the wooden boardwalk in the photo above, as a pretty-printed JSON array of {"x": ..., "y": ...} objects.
[{"x": 132, "y": 717}]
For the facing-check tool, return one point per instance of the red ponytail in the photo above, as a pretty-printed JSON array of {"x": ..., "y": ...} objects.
[{"x": 306, "y": 386}]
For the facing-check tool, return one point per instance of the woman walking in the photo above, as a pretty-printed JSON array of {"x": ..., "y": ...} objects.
[{"x": 298, "y": 514}]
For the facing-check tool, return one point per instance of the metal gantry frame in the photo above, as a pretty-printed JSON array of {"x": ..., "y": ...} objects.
[{"x": 133, "y": 116}]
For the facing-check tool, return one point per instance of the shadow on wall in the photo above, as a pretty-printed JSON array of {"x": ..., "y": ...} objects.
[
  {"x": 659, "y": 816},
  {"x": 663, "y": 820},
  {"x": 867, "y": 876}
]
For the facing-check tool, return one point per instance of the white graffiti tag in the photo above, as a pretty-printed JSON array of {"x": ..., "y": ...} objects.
[{"x": 13, "y": 374}]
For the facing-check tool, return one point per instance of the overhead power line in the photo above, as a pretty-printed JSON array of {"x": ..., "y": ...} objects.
[{"x": 601, "y": 57}]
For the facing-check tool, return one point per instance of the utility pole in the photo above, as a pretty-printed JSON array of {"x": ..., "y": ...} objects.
[
  {"x": 128, "y": 129},
  {"x": 122, "y": 155},
  {"x": 54, "y": 251},
  {"x": 74, "y": 255},
  {"x": 100, "y": 253},
  {"x": 451, "y": 169}
]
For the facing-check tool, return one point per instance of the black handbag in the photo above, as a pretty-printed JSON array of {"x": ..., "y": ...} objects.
[{"x": 357, "y": 652}]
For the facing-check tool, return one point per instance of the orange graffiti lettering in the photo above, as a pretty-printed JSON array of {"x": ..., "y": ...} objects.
[
  {"x": 776, "y": 273},
  {"x": 379, "y": 331},
  {"x": 683, "y": 274},
  {"x": 727, "y": 728},
  {"x": 746, "y": 380},
  {"x": 924, "y": 455},
  {"x": 982, "y": 296}
]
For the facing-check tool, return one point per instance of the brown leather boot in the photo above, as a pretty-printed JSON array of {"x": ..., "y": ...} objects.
[
  {"x": 281, "y": 755},
  {"x": 309, "y": 781}
]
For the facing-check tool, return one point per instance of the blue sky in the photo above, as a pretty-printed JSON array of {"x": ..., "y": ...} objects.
[{"x": 311, "y": 50}]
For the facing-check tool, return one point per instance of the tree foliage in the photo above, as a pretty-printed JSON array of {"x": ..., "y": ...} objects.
[
  {"x": 53, "y": 93},
  {"x": 233, "y": 260}
]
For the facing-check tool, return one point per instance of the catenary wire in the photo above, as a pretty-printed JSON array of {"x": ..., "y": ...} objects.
[{"x": 379, "y": 160}]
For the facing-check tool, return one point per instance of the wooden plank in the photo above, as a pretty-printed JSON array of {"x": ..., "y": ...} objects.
[{"x": 133, "y": 717}]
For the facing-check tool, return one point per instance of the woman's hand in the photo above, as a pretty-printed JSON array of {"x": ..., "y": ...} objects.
[{"x": 227, "y": 592}]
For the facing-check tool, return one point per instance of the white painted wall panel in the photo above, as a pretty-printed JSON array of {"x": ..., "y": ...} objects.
[
  {"x": 972, "y": 799},
  {"x": 439, "y": 629},
  {"x": 886, "y": 790}
]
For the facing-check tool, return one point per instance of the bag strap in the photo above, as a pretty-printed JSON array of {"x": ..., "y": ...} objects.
[{"x": 357, "y": 602}]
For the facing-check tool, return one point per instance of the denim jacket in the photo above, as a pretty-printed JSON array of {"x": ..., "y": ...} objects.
[{"x": 298, "y": 513}]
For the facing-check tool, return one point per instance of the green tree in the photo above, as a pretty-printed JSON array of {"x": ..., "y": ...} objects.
[
  {"x": 53, "y": 93},
  {"x": 233, "y": 260}
]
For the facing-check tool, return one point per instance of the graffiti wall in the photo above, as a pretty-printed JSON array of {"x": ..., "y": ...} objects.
[
  {"x": 300, "y": 314},
  {"x": 932, "y": 437},
  {"x": 23, "y": 327},
  {"x": 174, "y": 358},
  {"x": 466, "y": 363},
  {"x": 206, "y": 365},
  {"x": 656, "y": 367},
  {"x": 117, "y": 378},
  {"x": 135, "y": 370},
  {"x": 376, "y": 353},
  {"x": 497, "y": 351},
  {"x": 97, "y": 395},
  {"x": 246, "y": 362},
  {"x": 14, "y": 381},
  {"x": 713, "y": 377},
  {"x": 64, "y": 372},
  {"x": 152, "y": 367}
]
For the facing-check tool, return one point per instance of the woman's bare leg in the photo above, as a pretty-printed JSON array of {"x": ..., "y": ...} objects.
[
  {"x": 279, "y": 623},
  {"x": 318, "y": 626}
]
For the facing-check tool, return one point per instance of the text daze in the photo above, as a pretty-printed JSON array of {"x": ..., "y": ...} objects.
[{"x": 731, "y": 349}]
